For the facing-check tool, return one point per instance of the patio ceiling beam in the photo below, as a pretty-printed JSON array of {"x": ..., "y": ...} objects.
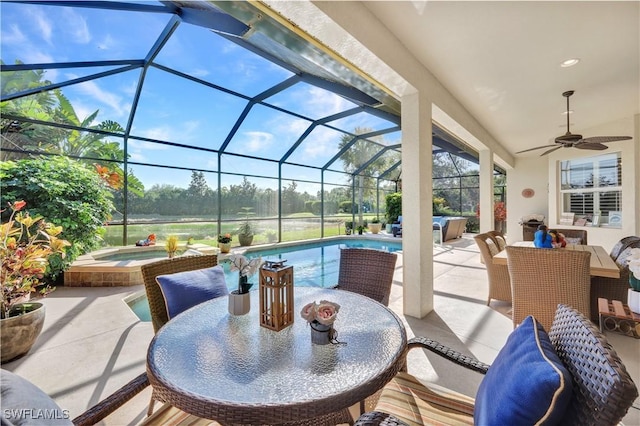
[
  {"x": 313, "y": 126},
  {"x": 355, "y": 139},
  {"x": 374, "y": 158},
  {"x": 351, "y": 93},
  {"x": 61, "y": 84},
  {"x": 109, "y": 5},
  {"x": 214, "y": 20},
  {"x": 257, "y": 99},
  {"x": 389, "y": 170},
  {"x": 62, "y": 65}
]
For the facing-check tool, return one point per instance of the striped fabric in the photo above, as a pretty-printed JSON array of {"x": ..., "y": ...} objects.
[
  {"x": 168, "y": 415},
  {"x": 410, "y": 401}
]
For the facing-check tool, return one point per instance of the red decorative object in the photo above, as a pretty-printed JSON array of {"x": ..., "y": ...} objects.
[{"x": 528, "y": 193}]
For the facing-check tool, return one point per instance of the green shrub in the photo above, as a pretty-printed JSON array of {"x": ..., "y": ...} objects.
[
  {"x": 65, "y": 192},
  {"x": 394, "y": 206}
]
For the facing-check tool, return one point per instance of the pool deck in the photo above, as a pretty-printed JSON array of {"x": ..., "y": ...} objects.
[{"x": 92, "y": 343}]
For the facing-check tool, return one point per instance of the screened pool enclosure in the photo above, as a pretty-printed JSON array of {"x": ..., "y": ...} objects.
[{"x": 212, "y": 114}]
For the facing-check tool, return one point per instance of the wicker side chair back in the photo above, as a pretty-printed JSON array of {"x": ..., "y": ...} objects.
[
  {"x": 150, "y": 271},
  {"x": 623, "y": 244},
  {"x": 498, "y": 275},
  {"x": 543, "y": 278},
  {"x": 603, "y": 390},
  {"x": 613, "y": 288},
  {"x": 368, "y": 272}
]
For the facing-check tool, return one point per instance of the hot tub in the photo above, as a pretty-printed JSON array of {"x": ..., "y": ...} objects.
[{"x": 119, "y": 266}]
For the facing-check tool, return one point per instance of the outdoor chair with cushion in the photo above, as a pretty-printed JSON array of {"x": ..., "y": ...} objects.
[
  {"x": 613, "y": 288},
  {"x": 623, "y": 244},
  {"x": 499, "y": 239},
  {"x": 150, "y": 271},
  {"x": 570, "y": 376},
  {"x": 498, "y": 275},
  {"x": 368, "y": 272},
  {"x": 20, "y": 397},
  {"x": 543, "y": 278}
]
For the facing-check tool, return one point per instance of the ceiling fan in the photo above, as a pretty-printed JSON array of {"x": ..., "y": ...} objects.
[{"x": 569, "y": 139}]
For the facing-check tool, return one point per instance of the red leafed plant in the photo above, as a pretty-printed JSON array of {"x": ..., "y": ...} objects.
[{"x": 25, "y": 245}]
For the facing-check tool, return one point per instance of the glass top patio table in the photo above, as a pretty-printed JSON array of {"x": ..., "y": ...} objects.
[{"x": 228, "y": 368}]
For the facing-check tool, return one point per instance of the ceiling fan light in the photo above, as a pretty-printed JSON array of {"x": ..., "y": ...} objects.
[{"x": 569, "y": 62}]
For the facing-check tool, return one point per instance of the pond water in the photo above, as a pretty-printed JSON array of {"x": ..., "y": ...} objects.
[{"x": 314, "y": 264}]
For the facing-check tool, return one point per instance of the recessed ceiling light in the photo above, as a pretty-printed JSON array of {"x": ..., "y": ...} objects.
[{"x": 569, "y": 62}]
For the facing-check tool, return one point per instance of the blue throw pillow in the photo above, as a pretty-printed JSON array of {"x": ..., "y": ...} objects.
[
  {"x": 184, "y": 290},
  {"x": 527, "y": 383}
]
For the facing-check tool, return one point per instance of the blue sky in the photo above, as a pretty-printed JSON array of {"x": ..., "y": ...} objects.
[{"x": 175, "y": 109}]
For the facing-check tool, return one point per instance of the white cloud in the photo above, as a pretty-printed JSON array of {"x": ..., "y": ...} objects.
[
  {"x": 13, "y": 36},
  {"x": 258, "y": 141},
  {"x": 76, "y": 25},
  {"x": 199, "y": 72},
  {"x": 43, "y": 25},
  {"x": 91, "y": 88}
]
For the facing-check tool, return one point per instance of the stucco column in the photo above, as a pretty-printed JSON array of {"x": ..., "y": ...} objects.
[
  {"x": 417, "y": 190},
  {"x": 486, "y": 190}
]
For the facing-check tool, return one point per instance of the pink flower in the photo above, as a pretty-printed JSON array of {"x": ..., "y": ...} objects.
[
  {"x": 325, "y": 312},
  {"x": 309, "y": 311}
]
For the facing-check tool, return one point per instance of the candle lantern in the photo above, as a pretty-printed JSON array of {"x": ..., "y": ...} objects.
[{"x": 276, "y": 295}]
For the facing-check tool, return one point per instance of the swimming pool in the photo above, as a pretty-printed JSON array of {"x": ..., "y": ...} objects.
[{"x": 314, "y": 264}]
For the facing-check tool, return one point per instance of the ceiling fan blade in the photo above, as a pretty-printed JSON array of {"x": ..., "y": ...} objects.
[
  {"x": 551, "y": 150},
  {"x": 605, "y": 139},
  {"x": 590, "y": 145},
  {"x": 537, "y": 147}
]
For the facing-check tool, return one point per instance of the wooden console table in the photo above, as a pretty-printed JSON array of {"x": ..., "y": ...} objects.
[{"x": 617, "y": 317}]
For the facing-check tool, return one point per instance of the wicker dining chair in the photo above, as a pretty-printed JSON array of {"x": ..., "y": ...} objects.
[
  {"x": 150, "y": 271},
  {"x": 543, "y": 278},
  {"x": 602, "y": 389},
  {"x": 498, "y": 275},
  {"x": 368, "y": 272}
]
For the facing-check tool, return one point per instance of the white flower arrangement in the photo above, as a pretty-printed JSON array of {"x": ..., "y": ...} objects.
[{"x": 243, "y": 265}]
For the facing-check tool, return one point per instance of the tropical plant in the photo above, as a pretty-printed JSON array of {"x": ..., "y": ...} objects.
[
  {"x": 67, "y": 192},
  {"x": 359, "y": 152},
  {"x": 394, "y": 206},
  {"x": 26, "y": 244},
  {"x": 246, "y": 227}
]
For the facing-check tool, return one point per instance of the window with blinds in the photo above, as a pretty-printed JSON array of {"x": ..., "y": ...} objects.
[{"x": 592, "y": 185}]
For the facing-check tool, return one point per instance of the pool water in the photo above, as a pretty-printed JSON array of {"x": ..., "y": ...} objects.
[{"x": 314, "y": 265}]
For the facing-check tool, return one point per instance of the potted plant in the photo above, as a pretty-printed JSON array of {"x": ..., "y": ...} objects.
[
  {"x": 224, "y": 243},
  {"x": 171, "y": 246},
  {"x": 26, "y": 243},
  {"x": 360, "y": 229},
  {"x": 246, "y": 230},
  {"x": 239, "y": 301},
  {"x": 375, "y": 226}
]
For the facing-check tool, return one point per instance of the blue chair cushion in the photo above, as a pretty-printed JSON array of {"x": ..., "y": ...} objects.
[
  {"x": 23, "y": 403},
  {"x": 184, "y": 290},
  {"x": 526, "y": 384}
]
